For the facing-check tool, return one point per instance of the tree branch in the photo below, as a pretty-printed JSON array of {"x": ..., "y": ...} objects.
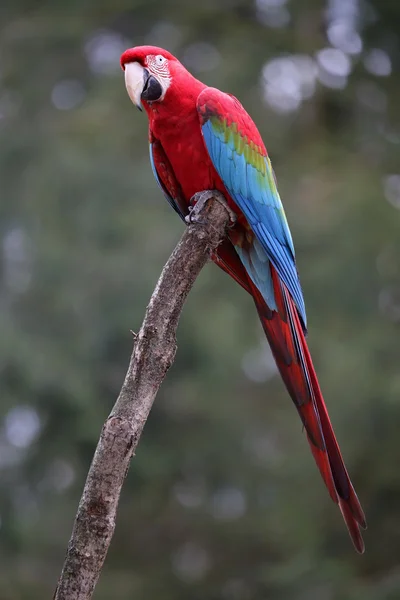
[{"x": 153, "y": 354}]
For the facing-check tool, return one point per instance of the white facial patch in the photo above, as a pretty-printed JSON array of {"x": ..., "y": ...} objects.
[{"x": 158, "y": 66}]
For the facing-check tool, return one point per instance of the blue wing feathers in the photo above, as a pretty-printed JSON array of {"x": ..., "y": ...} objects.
[
  {"x": 256, "y": 195},
  {"x": 213, "y": 147},
  {"x": 255, "y": 192},
  {"x": 285, "y": 266},
  {"x": 257, "y": 267},
  {"x": 229, "y": 152},
  {"x": 240, "y": 174}
]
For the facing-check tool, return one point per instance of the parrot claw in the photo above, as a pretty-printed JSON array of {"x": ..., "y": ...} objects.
[
  {"x": 190, "y": 218},
  {"x": 200, "y": 199}
]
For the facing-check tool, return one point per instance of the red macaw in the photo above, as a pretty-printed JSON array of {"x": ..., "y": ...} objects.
[{"x": 203, "y": 139}]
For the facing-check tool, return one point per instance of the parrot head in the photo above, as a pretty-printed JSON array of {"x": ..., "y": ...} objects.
[{"x": 150, "y": 73}]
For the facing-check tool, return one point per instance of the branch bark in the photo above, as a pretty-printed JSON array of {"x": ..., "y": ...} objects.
[{"x": 153, "y": 353}]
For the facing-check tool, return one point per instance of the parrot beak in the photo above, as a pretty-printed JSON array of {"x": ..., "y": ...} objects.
[
  {"x": 141, "y": 85},
  {"x": 135, "y": 80}
]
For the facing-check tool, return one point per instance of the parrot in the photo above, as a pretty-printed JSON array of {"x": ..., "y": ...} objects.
[{"x": 201, "y": 138}]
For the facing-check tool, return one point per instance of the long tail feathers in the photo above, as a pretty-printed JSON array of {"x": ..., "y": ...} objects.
[
  {"x": 286, "y": 337},
  {"x": 289, "y": 347}
]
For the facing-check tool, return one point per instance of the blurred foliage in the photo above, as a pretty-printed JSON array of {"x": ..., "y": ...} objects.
[{"x": 223, "y": 500}]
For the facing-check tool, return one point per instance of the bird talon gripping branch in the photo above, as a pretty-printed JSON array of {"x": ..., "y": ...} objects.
[
  {"x": 203, "y": 139},
  {"x": 200, "y": 199},
  {"x": 193, "y": 216}
]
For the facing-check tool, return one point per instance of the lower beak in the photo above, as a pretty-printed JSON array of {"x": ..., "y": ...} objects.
[{"x": 141, "y": 85}]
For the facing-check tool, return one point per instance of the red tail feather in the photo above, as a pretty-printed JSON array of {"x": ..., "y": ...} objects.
[
  {"x": 286, "y": 337},
  {"x": 285, "y": 334}
]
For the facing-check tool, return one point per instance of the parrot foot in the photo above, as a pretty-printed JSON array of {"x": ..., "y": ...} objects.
[{"x": 200, "y": 199}]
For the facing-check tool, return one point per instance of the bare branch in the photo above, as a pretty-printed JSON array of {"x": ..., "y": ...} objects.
[{"x": 153, "y": 354}]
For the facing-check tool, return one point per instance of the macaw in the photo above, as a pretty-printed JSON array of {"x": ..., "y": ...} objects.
[{"x": 203, "y": 139}]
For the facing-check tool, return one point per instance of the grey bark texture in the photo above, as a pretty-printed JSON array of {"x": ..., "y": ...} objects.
[{"x": 152, "y": 355}]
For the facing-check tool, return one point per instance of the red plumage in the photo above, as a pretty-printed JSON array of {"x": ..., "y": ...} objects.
[
  {"x": 184, "y": 167},
  {"x": 288, "y": 344}
]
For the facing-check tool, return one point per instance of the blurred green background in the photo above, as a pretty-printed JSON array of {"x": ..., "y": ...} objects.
[{"x": 223, "y": 501}]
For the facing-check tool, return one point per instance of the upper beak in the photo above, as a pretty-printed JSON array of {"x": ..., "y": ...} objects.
[
  {"x": 140, "y": 84},
  {"x": 135, "y": 80}
]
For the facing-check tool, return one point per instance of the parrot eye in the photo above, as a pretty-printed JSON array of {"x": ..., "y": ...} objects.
[{"x": 160, "y": 60}]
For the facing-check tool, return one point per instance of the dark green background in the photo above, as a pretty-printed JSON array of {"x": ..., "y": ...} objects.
[{"x": 223, "y": 501}]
